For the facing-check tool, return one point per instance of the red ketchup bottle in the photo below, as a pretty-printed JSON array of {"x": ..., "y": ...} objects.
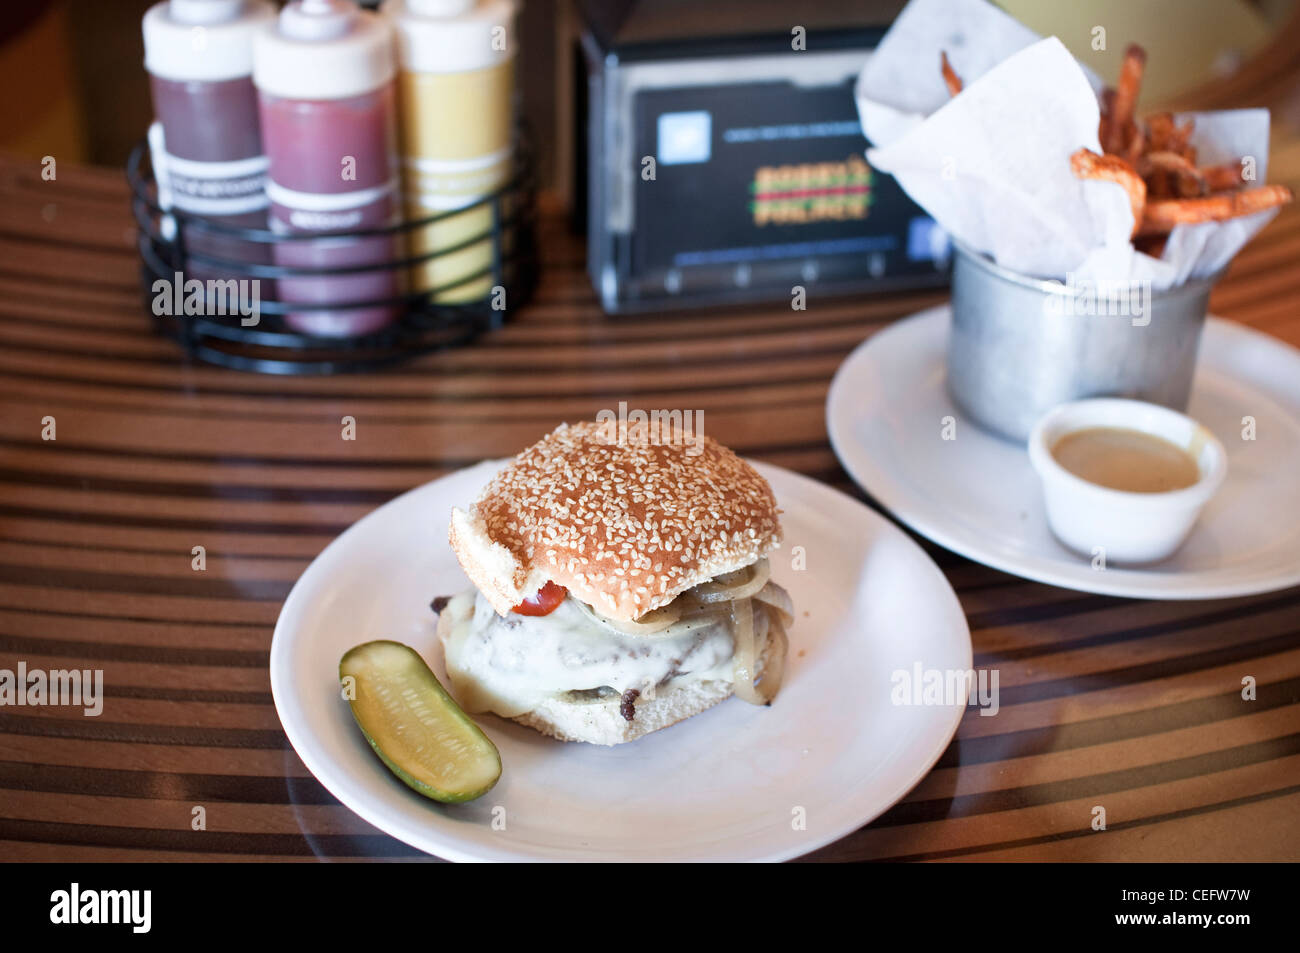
[
  {"x": 324, "y": 76},
  {"x": 205, "y": 142}
]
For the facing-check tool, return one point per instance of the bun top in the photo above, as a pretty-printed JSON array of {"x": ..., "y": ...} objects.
[{"x": 624, "y": 522}]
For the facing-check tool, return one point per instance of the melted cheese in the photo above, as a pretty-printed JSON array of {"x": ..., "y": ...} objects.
[{"x": 510, "y": 665}]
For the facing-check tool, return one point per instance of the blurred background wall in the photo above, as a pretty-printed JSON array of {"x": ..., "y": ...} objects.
[
  {"x": 41, "y": 109},
  {"x": 1188, "y": 42}
]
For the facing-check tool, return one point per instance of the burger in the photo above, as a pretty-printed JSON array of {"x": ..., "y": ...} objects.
[{"x": 621, "y": 585}]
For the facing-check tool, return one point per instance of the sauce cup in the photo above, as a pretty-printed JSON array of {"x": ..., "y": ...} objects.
[{"x": 1122, "y": 526}]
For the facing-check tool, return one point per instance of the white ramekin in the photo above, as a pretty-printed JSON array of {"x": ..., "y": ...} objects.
[{"x": 1125, "y": 527}]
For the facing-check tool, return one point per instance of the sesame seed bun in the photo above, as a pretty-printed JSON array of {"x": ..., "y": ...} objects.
[{"x": 624, "y": 523}]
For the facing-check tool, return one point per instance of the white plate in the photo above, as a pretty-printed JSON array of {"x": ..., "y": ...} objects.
[
  {"x": 733, "y": 783},
  {"x": 977, "y": 494}
]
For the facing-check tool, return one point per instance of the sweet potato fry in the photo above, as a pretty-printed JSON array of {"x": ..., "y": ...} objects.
[
  {"x": 1137, "y": 145},
  {"x": 1160, "y": 126},
  {"x": 1220, "y": 178},
  {"x": 1155, "y": 163},
  {"x": 1107, "y": 104},
  {"x": 950, "y": 77},
  {"x": 1190, "y": 181},
  {"x": 1178, "y": 141},
  {"x": 1162, "y": 216},
  {"x": 1126, "y": 97},
  {"x": 1160, "y": 185},
  {"x": 1086, "y": 164}
]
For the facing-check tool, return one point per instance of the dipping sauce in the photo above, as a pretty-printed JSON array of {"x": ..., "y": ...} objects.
[{"x": 1129, "y": 460}]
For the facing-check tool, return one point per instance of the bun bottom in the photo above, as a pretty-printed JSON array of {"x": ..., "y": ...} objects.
[{"x": 602, "y": 723}]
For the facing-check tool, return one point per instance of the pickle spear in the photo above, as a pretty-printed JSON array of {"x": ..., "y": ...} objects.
[{"x": 415, "y": 727}]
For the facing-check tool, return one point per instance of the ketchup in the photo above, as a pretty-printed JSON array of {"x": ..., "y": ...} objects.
[{"x": 546, "y": 600}]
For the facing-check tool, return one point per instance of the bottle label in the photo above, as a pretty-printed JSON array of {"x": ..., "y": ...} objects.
[
  {"x": 441, "y": 184},
  {"x": 335, "y": 212},
  {"x": 457, "y": 135},
  {"x": 235, "y": 187}
]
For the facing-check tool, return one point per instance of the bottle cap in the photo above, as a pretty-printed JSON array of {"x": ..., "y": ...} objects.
[
  {"x": 323, "y": 49},
  {"x": 203, "y": 40},
  {"x": 476, "y": 36}
]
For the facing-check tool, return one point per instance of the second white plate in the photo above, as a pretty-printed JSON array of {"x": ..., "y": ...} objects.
[{"x": 978, "y": 496}]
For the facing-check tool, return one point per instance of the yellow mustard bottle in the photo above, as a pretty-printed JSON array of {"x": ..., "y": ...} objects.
[{"x": 455, "y": 90}]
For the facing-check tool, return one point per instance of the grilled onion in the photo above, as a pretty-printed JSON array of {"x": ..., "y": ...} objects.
[
  {"x": 673, "y": 620},
  {"x": 778, "y": 644},
  {"x": 652, "y": 623},
  {"x": 733, "y": 586},
  {"x": 778, "y": 599},
  {"x": 744, "y": 658}
]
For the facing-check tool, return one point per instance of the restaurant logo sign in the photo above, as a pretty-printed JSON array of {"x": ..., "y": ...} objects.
[
  {"x": 811, "y": 192},
  {"x": 82, "y": 688}
]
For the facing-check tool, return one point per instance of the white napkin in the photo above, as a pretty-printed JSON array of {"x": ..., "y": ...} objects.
[
  {"x": 992, "y": 165},
  {"x": 1195, "y": 251}
]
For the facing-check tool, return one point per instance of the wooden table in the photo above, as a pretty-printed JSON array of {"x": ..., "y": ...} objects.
[{"x": 1132, "y": 705}]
